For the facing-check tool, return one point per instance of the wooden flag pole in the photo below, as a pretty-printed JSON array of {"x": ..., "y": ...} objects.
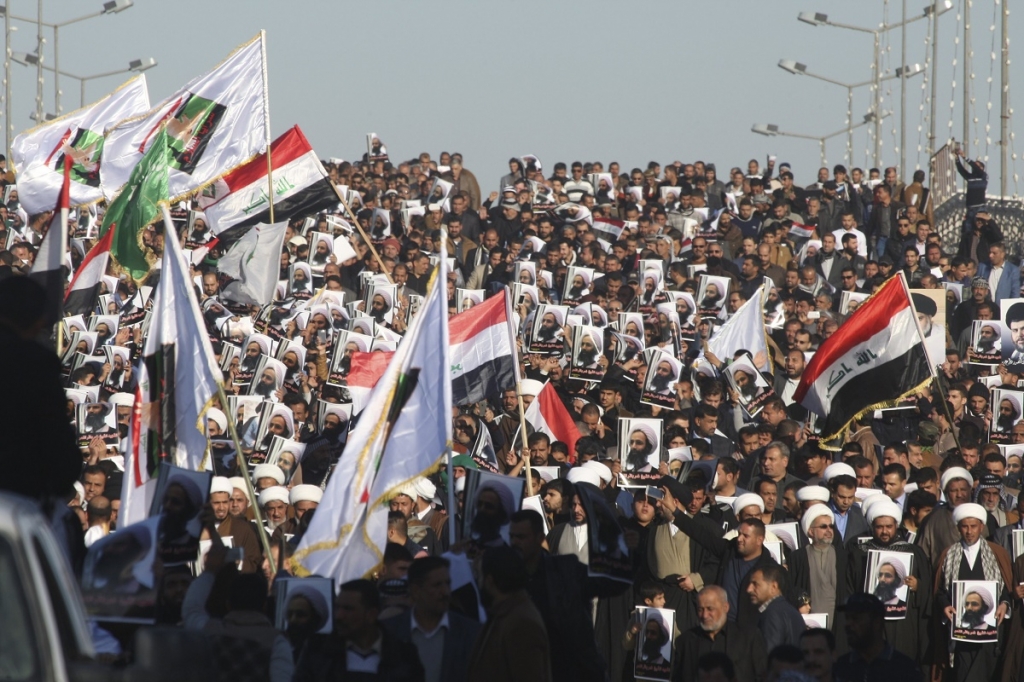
[
  {"x": 366, "y": 237},
  {"x": 526, "y": 448}
]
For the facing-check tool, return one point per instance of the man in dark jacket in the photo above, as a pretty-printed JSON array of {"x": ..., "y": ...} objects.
[
  {"x": 743, "y": 645},
  {"x": 780, "y": 622},
  {"x": 442, "y": 637},
  {"x": 358, "y": 648}
]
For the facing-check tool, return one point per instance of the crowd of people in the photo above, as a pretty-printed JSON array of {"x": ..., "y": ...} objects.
[{"x": 756, "y": 548}]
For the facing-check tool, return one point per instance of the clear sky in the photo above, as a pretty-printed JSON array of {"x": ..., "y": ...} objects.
[{"x": 600, "y": 80}]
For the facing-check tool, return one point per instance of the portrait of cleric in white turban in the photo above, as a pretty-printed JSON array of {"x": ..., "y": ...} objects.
[
  {"x": 975, "y": 607},
  {"x": 587, "y": 349},
  {"x": 547, "y": 333},
  {"x": 662, "y": 376},
  {"x": 886, "y": 578},
  {"x": 711, "y": 294},
  {"x": 1006, "y": 413},
  {"x": 653, "y": 659},
  {"x": 986, "y": 341},
  {"x": 748, "y": 383},
  {"x": 640, "y": 444},
  {"x": 380, "y": 303}
]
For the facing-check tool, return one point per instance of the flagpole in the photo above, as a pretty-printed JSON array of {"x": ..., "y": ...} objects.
[
  {"x": 366, "y": 238},
  {"x": 444, "y": 341},
  {"x": 266, "y": 123},
  {"x": 526, "y": 448},
  {"x": 931, "y": 367},
  {"x": 243, "y": 470}
]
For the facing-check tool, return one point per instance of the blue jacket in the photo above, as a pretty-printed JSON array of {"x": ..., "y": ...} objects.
[{"x": 1009, "y": 281}]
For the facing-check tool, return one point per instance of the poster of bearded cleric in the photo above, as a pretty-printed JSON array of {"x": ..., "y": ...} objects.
[
  {"x": 640, "y": 449},
  {"x": 653, "y": 659},
  {"x": 663, "y": 371},
  {"x": 547, "y": 334},
  {"x": 975, "y": 602},
  {"x": 886, "y": 578},
  {"x": 587, "y": 353},
  {"x": 986, "y": 343},
  {"x": 930, "y": 305},
  {"x": 749, "y": 385},
  {"x": 1013, "y": 329},
  {"x": 1006, "y": 413}
]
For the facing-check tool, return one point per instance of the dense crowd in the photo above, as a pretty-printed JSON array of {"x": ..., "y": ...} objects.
[{"x": 757, "y": 547}]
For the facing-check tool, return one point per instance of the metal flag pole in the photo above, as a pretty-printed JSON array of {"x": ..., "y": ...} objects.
[{"x": 266, "y": 124}]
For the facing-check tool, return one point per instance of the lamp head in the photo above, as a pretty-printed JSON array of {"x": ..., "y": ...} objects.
[{"x": 813, "y": 18}]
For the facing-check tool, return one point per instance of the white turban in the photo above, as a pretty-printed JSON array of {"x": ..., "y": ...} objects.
[
  {"x": 747, "y": 500},
  {"x": 648, "y": 432},
  {"x": 238, "y": 483},
  {"x": 315, "y": 598},
  {"x": 603, "y": 472},
  {"x": 530, "y": 387},
  {"x": 268, "y": 471},
  {"x": 870, "y": 501},
  {"x": 812, "y": 492},
  {"x": 305, "y": 493},
  {"x": 425, "y": 489},
  {"x": 218, "y": 418},
  {"x": 813, "y": 514},
  {"x": 897, "y": 566},
  {"x": 275, "y": 493},
  {"x": 838, "y": 469},
  {"x": 582, "y": 474},
  {"x": 122, "y": 399},
  {"x": 953, "y": 473},
  {"x": 970, "y": 510},
  {"x": 221, "y": 484},
  {"x": 884, "y": 508},
  {"x": 503, "y": 493}
]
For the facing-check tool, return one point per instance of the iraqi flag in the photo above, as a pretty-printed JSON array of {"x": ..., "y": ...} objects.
[
  {"x": 48, "y": 268},
  {"x": 547, "y": 414},
  {"x": 874, "y": 360},
  {"x": 801, "y": 231},
  {"x": 301, "y": 187},
  {"x": 366, "y": 370},
  {"x": 607, "y": 230},
  {"x": 483, "y": 351},
  {"x": 85, "y": 286}
]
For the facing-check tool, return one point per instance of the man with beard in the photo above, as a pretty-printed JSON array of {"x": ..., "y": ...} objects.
[
  {"x": 747, "y": 384},
  {"x": 663, "y": 382},
  {"x": 715, "y": 633},
  {"x": 549, "y": 330},
  {"x": 641, "y": 445},
  {"x": 235, "y": 527},
  {"x": 103, "y": 334},
  {"x": 251, "y": 358},
  {"x": 971, "y": 557},
  {"x": 977, "y": 606},
  {"x": 419, "y": 532},
  {"x": 492, "y": 510},
  {"x": 380, "y": 305},
  {"x": 572, "y": 538},
  {"x": 988, "y": 337},
  {"x": 1015, "y": 323},
  {"x": 650, "y": 289},
  {"x": 324, "y": 449},
  {"x": 323, "y": 250},
  {"x": 818, "y": 568},
  {"x": 96, "y": 418},
  {"x": 655, "y": 637},
  {"x": 891, "y": 575},
  {"x": 274, "y": 503},
  {"x": 306, "y": 612},
  {"x": 277, "y": 426},
  {"x": 578, "y": 289},
  {"x": 588, "y": 354},
  {"x": 1009, "y": 414},
  {"x": 300, "y": 281},
  {"x": 712, "y": 297},
  {"x": 118, "y": 375},
  {"x": 266, "y": 387}
]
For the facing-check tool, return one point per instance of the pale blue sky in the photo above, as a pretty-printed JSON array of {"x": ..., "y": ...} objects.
[{"x": 631, "y": 82}]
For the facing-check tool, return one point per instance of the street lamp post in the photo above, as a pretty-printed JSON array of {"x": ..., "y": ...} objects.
[
  {"x": 772, "y": 130},
  {"x": 819, "y": 19},
  {"x": 135, "y": 65},
  {"x": 799, "y": 69}
]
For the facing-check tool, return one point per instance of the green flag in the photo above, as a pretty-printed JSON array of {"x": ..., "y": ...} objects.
[{"x": 136, "y": 207}]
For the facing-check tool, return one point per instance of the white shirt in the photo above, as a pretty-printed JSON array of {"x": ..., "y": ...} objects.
[
  {"x": 357, "y": 662},
  {"x": 971, "y": 552},
  {"x": 994, "y": 277}
]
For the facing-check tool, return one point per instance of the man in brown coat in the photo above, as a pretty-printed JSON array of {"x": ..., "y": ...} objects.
[{"x": 514, "y": 626}]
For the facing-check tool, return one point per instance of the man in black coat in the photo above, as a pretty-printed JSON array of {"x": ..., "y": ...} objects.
[
  {"x": 430, "y": 592},
  {"x": 744, "y": 646}
]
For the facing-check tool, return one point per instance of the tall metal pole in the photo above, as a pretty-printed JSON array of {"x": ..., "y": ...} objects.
[
  {"x": 878, "y": 100},
  {"x": 824, "y": 161},
  {"x": 849, "y": 126},
  {"x": 56, "y": 71},
  {"x": 8, "y": 127},
  {"x": 1004, "y": 101},
  {"x": 967, "y": 75},
  {"x": 902, "y": 100},
  {"x": 82, "y": 95},
  {"x": 932, "y": 73},
  {"x": 39, "y": 63}
]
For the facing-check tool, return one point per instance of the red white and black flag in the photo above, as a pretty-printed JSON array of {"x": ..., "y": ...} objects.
[
  {"x": 873, "y": 360},
  {"x": 48, "y": 268},
  {"x": 85, "y": 286},
  {"x": 483, "y": 350}
]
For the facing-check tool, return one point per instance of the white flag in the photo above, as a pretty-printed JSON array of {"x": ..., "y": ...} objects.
[
  {"x": 182, "y": 372},
  {"x": 744, "y": 331},
  {"x": 215, "y": 123},
  {"x": 39, "y": 154},
  {"x": 253, "y": 263},
  {"x": 403, "y": 434}
]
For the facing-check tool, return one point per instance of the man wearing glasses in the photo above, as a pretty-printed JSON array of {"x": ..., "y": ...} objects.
[{"x": 814, "y": 567}]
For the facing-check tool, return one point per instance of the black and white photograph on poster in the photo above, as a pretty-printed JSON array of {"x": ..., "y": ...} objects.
[
  {"x": 624, "y": 348},
  {"x": 118, "y": 584},
  {"x": 97, "y": 420},
  {"x": 640, "y": 448},
  {"x": 1013, "y": 329},
  {"x": 774, "y": 548},
  {"x": 198, "y": 230},
  {"x": 440, "y": 194},
  {"x": 195, "y": 485},
  {"x": 816, "y": 620},
  {"x": 120, "y": 374},
  {"x": 886, "y": 578},
  {"x": 654, "y": 644},
  {"x": 789, "y": 533},
  {"x": 268, "y": 379},
  {"x": 105, "y": 327},
  {"x": 547, "y": 334},
  {"x": 577, "y": 284},
  {"x": 286, "y": 454},
  {"x": 475, "y": 437},
  {"x": 954, "y": 293},
  {"x": 490, "y": 501},
  {"x": 545, "y": 280},
  {"x": 321, "y": 248},
  {"x": 588, "y": 360},
  {"x": 975, "y": 603},
  {"x": 380, "y": 302},
  {"x": 651, "y": 283},
  {"x": 346, "y": 343},
  {"x": 986, "y": 343},
  {"x": 930, "y": 305},
  {"x": 525, "y": 296},
  {"x": 849, "y": 301},
  {"x": 375, "y": 149},
  {"x": 631, "y": 324},
  {"x": 663, "y": 371},
  {"x": 712, "y": 292},
  {"x": 467, "y": 298},
  {"x": 677, "y": 457},
  {"x": 333, "y": 420},
  {"x": 525, "y": 272},
  {"x": 749, "y": 385},
  {"x": 305, "y": 606},
  {"x": 292, "y": 355},
  {"x": 380, "y": 225},
  {"x": 1006, "y": 413},
  {"x": 686, "y": 307},
  {"x": 275, "y": 419},
  {"x": 81, "y": 342},
  {"x": 363, "y": 324},
  {"x": 300, "y": 281}
]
